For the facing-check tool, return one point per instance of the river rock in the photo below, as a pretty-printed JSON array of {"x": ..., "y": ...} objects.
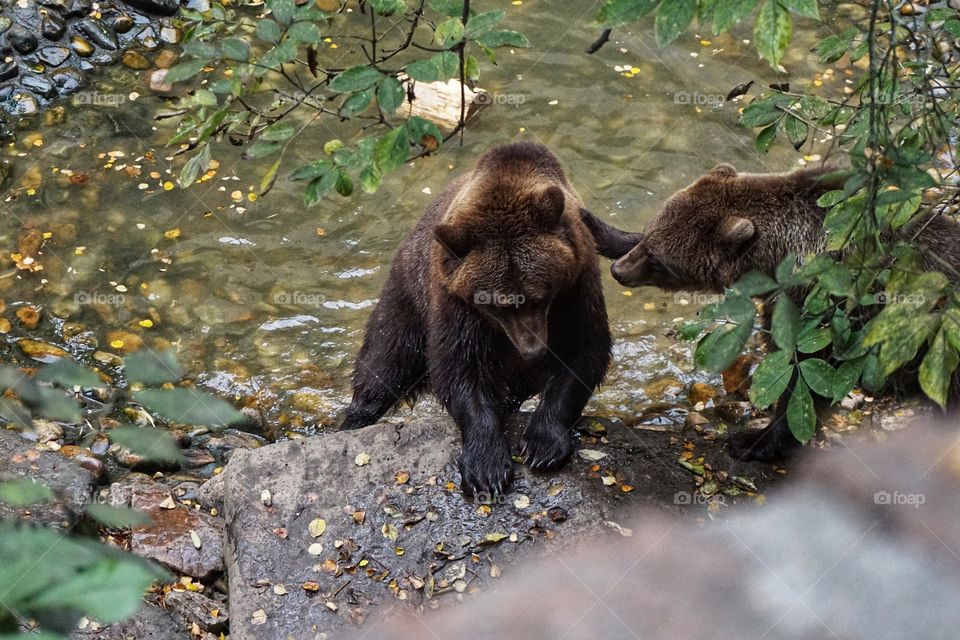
[
  {"x": 98, "y": 34},
  {"x": 172, "y": 538},
  {"x": 22, "y": 104},
  {"x": 66, "y": 80},
  {"x": 196, "y": 608},
  {"x": 82, "y": 46},
  {"x": 71, "y": 483},
  {"x": 157, "y": 7},
  {"x": 151, "y": 622},
  {"x": 38, "y": 85},
  {"x": 53, "y": 25},
  {"x": 53, "y": 56},
  {"x": 21, "y": 39},
  {"x": 380, "y": 509}
]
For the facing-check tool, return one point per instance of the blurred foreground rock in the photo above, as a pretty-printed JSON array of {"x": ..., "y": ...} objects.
[
  {"x": 328, "y": 533},
  {"x": 865, "y": 546}
]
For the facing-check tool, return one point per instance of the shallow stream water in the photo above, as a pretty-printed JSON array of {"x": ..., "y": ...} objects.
[{"x": 266, "y": 300}]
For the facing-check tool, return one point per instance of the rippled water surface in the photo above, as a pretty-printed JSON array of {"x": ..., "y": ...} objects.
[{"x": 267, "y": 300}]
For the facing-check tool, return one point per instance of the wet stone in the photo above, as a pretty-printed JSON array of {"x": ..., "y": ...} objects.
[
  {"x": 53, "y": 25},
  {"x": 22, "y": 104},
  {"x": 53, "y": 56},
  {"x": 5, "y": 23},
  {"x": 98, "y": 34},
  {"x": 38, "y": 85},
  {"x": 157, "y": 7},
  {"x": 135, "y": 60},
  {"x": 66, "y": 80},
  {"x": 170, "y": 35},
  {"x": 122, "y": 23},
  {"x": 8, "y": 70},
  {"x": 79, "y": 8},
  {"x": 22, "y": 39},
  {"x": 81, "y": 46}
]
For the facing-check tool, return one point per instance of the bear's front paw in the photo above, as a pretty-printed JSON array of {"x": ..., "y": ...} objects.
[
  {"x": 545, "y": 447},
  {"x": 761, "y": 445},
  {"x": 486, "y": 469}
]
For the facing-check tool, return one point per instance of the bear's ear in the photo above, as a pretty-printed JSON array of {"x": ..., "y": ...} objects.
[
  {"x": 548, "y": 206},
  {"x": 736, "y": 230},
  {"x": 454, "y": 238},
  {"x": 724, "y": 170}
]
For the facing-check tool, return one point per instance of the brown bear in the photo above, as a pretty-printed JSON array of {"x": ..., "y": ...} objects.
[
  {"x": 493, "y": 298},
  {"x": 726, "y": 224}
]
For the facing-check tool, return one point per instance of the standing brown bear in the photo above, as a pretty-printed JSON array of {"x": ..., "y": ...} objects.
[
  {"x": 726, "y": 224},
  {"x": 493, "y": 298}
]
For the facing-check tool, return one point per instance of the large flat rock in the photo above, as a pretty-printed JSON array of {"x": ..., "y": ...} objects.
[
  {"x": 72, "y": 485},
  {"x": 398, "y": 531}
]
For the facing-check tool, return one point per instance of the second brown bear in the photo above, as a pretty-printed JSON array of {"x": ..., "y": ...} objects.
[{"x": 493, "y": 298}]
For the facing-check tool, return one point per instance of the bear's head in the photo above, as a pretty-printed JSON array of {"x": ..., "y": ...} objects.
[
  {"x": 508, "y": 250},
  {"x": 698, "y": 242}
]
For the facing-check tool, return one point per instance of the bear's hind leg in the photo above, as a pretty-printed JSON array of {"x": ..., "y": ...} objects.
[{"x": 391, "y": 365}]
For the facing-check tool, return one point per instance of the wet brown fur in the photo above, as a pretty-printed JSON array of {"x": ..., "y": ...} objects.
[
  {"x": 726, "y": 224},
  {"x": 494, "y": 297}
]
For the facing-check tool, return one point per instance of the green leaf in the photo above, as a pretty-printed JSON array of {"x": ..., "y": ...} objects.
[
  {"x": 110, "y": 590},
  {"x": 279, "y": 55},
  {"x": 754, "y": 283},
  {"x": 356, "y": 103},
  {"x": 727, "y": 13},
  {"x": 420, "y": 130},
  {"x": 149, "y": 443},
  {"x": 262, "y": 149},
  {"x": 316, "y": 169},
  {"x": 482, "y": 22},
  {"x": 24, "y": 492},
  {"x": 355, "y": 78},
  {"x": 760, "y": 113},
  {"x": 152, "y": 367},
  {"x": 235, "y": 49},
  {"x": 305, "y": 33},
  {"x": 951, "y": 327},
  {"x": 786, "y": 323},
  {"x": 770, "y": 379},
  {"x": 370, "y": 178},
  {"x": 805, "y": 8},
  {"x": 188, "y": 406},
  {"x": 282, "y": 10},
  {"x": 184, "y": 71},
  {"x": 819, "y": 376},
  {"x": 117, "y": 517},
  {"x": 503, "y": 38},
  {"x": 614, "y": 13},
  {"x": 801, "y": 416},
  {"x": 319, "y": 187},
  {"x": 447, "y": 7},
  {"x": 266, "y": 182},
  {"x": 813, "y": 338},
  {"x": 830, "y": 198},
  {"x": 936, "y": 370},
  {"x": 439, "y": 67},
  {"x": 719, "y": 353},
  {"x": 900, "y": 330},
  {"x": 193, "y": 167},
  {"x": 772, "y": 31},
  {"x": 268, "y": 31},
  {"x": 392, "y": 149},
  {"x": 390, "y": 95},
  {"x": 672, "y": 19},
  {"x": 766, "y": 137},
  {"x": 344, "y": 184},
  {"x": 388, "y": 7},
  {"x": 448, "y": 33},
  {"x": 846, "y": 378},
  {"x": 68, "y": 374},
  {"x": 796, "y": 130}
]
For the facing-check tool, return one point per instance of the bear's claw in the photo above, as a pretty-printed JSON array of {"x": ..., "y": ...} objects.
[{"x": 486, "y": 472}]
